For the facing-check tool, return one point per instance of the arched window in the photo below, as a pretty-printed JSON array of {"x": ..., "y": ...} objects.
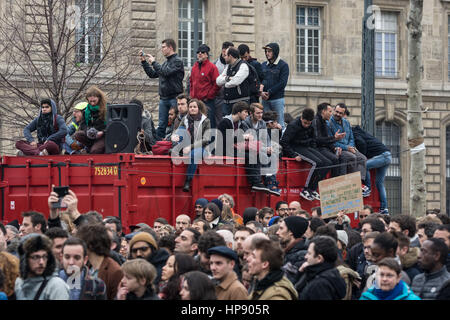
[{"x": 389, "y": 133}]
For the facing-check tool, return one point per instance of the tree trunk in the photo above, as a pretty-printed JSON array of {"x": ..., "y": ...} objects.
[{"x": 415, "y": 125}]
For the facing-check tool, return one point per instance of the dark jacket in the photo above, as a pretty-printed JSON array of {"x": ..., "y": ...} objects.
[
  {"x": 95, "y": 122},
  {"x": 149, "y": 294},
  {"x": 59, "y": 128},
  {"x": 293, "y": 259},
  {"x": 297, "y": 136},
  {"x": 321, "y": 134},
  {"x": 158, "y": 259},
  {"x": 427, "y": 285},
  {"x": 275, "y": 74},
  {"x": 149, "y": 128},
  {"x": 170, "y": 74},
  {"x": 367, "y": 144},
  {"x": 321, "y": 282},
  {"x": 225, "y": 124}
]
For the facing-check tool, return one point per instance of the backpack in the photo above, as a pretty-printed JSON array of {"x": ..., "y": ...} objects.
[{"x": 253, "y": 79}]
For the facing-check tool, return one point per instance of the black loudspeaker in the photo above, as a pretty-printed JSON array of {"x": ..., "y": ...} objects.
[{"x": 123, "y": 124}]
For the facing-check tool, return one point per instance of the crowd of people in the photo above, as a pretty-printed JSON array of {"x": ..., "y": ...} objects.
[
  {"x": 236, "y": 104},
  {"x": 215, "y": 253}
]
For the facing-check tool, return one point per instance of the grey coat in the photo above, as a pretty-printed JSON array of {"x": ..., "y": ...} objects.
[{"x": 56, "y": 288}]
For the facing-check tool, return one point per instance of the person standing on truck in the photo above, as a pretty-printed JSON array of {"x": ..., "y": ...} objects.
[
  {"x": 50, "y": 128},
  {"x": 170, "y": 75}
]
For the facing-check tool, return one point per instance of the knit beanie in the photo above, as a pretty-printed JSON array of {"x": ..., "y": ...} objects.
[
  {"x": 146, "y": 237},
  {"x": 297, "y": 225},
  {"x": 218, "y": 203},
  {"x": 201, "y": 201}
]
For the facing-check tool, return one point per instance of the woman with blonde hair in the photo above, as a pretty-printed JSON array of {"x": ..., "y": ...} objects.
[
  {"x": 92, "y": 128},
  {"x": 9, "y": 264}
]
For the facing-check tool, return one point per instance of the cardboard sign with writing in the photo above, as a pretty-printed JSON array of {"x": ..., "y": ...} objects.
[{"x": 341, "y": 193}]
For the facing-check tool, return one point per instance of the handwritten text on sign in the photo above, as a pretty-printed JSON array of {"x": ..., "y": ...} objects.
[{"x": 341, "y": 193}]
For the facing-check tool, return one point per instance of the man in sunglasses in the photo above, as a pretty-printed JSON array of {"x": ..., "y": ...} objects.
[
  {"x": 144, "y": 246},
  {"x": 202, "y": 82}
]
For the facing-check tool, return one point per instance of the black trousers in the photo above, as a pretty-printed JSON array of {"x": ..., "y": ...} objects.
[{"x": 320, "y": 165}]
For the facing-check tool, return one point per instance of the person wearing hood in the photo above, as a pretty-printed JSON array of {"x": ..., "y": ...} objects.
[
  {"x": 194, "y": 138},
  {"x": 38, "y": 274},
  {"x": 200, "y": 203},
  {"x": 143, "y": 245},
  {"x": 221, "y": 64},
  {"x": 202, "y": 82},
  {"x": 275, "y": 77},
  {"x": 235, "y": 81},
  {"x": 321, "y": 279},
  {"x": 148, "y": 131},
  {"x": 50, "y": 128}
]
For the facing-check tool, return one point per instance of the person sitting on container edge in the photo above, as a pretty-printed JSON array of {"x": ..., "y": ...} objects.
[
  {"x": 92, "y": 128},
  {"x": 196, "y": 137},
  {"x": 299, "y": 142},
  {"x": 51, "y": 130},
  {"x": 72, "y": 146}
]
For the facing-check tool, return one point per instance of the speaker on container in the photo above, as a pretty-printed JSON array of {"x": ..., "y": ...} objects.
[{"x": 123, "y": 124}]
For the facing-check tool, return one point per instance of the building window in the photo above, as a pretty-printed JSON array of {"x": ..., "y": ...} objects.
[
  {"x": 389, "y": 134},
  {"x": 186, "y": 44},
  {"x": 447, "y": 170},
  {"x": 308, "y": 39},
  {"x": 386, "y": 30},
  {"x": 89, "y": 32}
]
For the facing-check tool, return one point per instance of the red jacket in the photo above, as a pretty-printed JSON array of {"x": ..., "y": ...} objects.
[{"x": 202, "y": 81}]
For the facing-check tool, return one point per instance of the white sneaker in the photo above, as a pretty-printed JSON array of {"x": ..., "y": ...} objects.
[
  {"x": 315, "y": 195},
  {"x": 307, "y": 195}
]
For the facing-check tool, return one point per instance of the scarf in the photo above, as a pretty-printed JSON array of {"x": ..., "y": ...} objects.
[
  {"x": 391, "y": 294},
  {"x": 44, "y": 126},
  {"x": 88, "y": 112},
  {"x": 266, "y": 282},
  {"x": 191, "y": 121}
]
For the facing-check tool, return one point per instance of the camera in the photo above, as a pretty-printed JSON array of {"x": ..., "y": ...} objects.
[
  {"x": 62, "y": 192},
  {"x": 142, "y": 53}
]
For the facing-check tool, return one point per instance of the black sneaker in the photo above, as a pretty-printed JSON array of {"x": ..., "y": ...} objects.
[
  {"x": 259, "y": 187},
  {"x": 315, "y": 195},
  {"x": 306, "y": 194}
]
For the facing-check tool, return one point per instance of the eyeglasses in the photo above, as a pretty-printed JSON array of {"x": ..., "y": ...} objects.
[
  {"x": 36, "y": 257},
  {"x": 202, "y": 52},
  {"x": 283, "y": 209},
  {"x": 143, "y": 249}
]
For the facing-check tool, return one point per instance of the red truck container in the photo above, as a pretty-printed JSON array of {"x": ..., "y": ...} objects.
[{"x": 139, "y": 188}]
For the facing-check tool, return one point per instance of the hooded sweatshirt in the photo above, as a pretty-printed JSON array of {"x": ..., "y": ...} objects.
[
  {"x": 275, "y": 74},
  {"x": 58, "y": 129}
]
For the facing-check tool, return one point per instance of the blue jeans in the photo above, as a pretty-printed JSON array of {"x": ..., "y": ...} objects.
[
  {"x": 211, "y": 105},
  {"x": 381, "y": 163},
  {"x": 196, "y": 158},
  {"x": 275, "y": 105},
  {"x": 164, "y": 107}
]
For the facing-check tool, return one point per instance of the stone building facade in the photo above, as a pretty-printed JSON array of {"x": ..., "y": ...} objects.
[{"x": 321, "y": 40}]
